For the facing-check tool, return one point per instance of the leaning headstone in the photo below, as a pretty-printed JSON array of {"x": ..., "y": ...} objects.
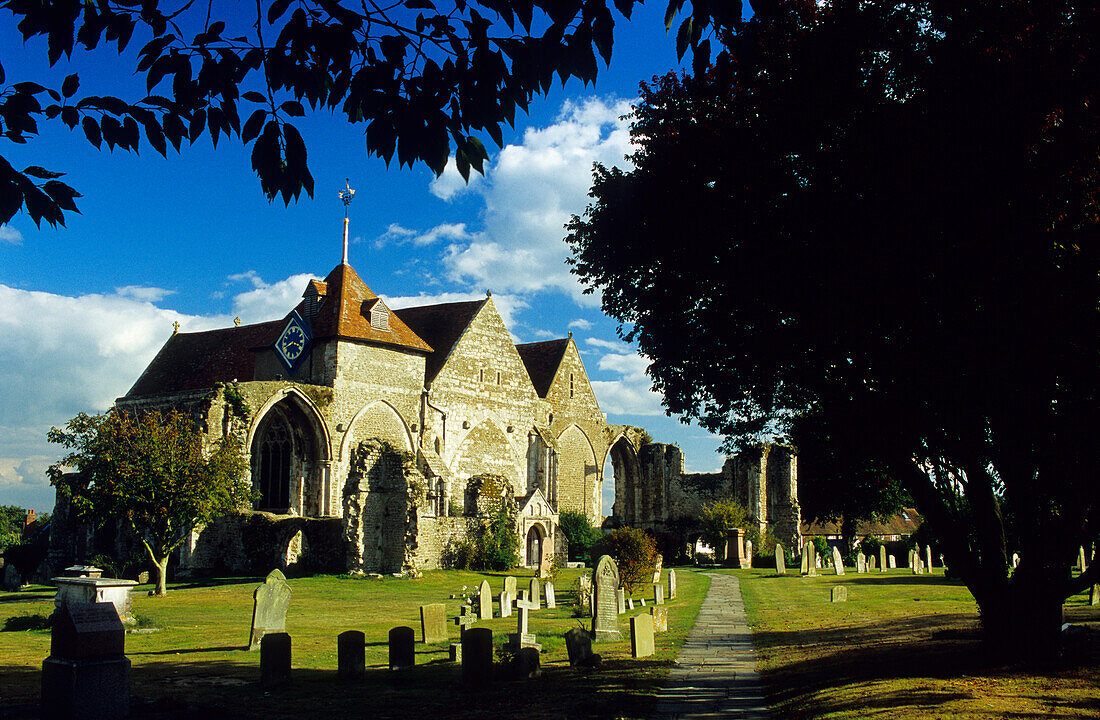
[
  {"x": 839, "y": 593},
  {"x": 505, "y": 604},
  {"x": 928, "y": 558},
  {"x": 660, "y": 618},
  {"x": 861, "y": 563},
  {"x": 274, "y": 659},
  {"x": 605, "y": 619},
  {"x": 433, "y": 623},
  {"x": 526, "y": 664},
  {"x": 534, "y": 594},
  {"x": 780, "y": 560},
  {"x": 642, "y": 602},
  {"x": 641, "y": 636},
  {"x": 87, "y": 674},
  {"x": 269, "y": 605},
  {"x": 402, "y": 647},
  {"x": 658, "y": 594},
  {"x": 882, "y": 558},
  {"x": 838, "y": 562},
  {"x": 579, "y": 646},
  {"x": 484, "y": 601},
  {"x": 672, "y": 583},
  {"x": 630, "y": 603},
  {"x": 748, "y": 553},
  {"x": 620, "y": 600},
  {"x": 477, "y": 657},
  {"x": 893, "y": 563},
  {"x": 551, "y": 598},
  {"x": 351, "y": 661},
  {"x": 510, "y": 585}
]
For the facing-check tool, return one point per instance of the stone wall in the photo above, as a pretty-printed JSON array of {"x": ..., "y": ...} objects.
[
  {"x": 381, "y": 497},
  {"x": 435, "y": 536},
  {"x": 256, "y": 542}
]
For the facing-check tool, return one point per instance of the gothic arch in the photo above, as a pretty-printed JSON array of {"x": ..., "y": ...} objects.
[
  {"x": 289, "y": 454},
  {"x": 533, "y": 543},
  {"x": 377, "y": 419},
  {"x": 627, "y": 472},
  {"x": 485, "y": 449},
  {"x": 579, "y": 477}
]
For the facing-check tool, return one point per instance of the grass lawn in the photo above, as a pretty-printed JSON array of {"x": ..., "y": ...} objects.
[
  {"x": 197, "y": 656},
  {"x": 902, "y": 647}
]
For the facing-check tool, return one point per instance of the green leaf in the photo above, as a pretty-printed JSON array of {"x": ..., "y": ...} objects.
[{"x": 683, "y": 38}]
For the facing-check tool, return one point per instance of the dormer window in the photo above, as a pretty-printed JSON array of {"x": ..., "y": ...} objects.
[{"x": 379, "y": 315}]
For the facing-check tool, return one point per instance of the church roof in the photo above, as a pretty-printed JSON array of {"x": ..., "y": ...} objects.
[
  {"x": 441, "y": 325},
  {"x": 346, "y": 313},
  {"x": 542, "y": 360},
  {"x": 192, "y": 361}
]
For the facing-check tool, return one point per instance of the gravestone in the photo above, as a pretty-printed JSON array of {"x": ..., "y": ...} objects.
[
  {"x": 454, "y": 652},
  {"x": 893, "y": 562},
  {"x": 484, "y": 601},
  {"x": 269, "y": 604},
  {"x": 505, "y": 604},
  {"x": 806, "y": 562},
  {"x": 351, "y": 650},
  {"x": 579, "y": 646},
  {"x": 524, "y": 637},
  {"x": 748, "y": 553},
  {"x": 546, "y": 561},
  {"x": 838, "y": 562},
  {"x": 510, "y": 585},
  {"x": 1094, "y": 595},
  {"x": 839, "y": 593},
  {"x": 1081, "y": 564},
  {"x": 643, "y": 602},
  {"x": 605, "y": 619},
  {"x": 928, "y": 558},
  {"x": 641, "y": 636},
  {"x": 780, "y": 560},
  {"x": 534, "y": 593},
  {"x": 477, "y": 657},
  {"x": 274, "y": 659},
  {"x": 817, "y": 559},
  {"x": 402, "y": 647},
  {"x": 870, "y": 562},
  {"x": 861, "y": 563},
  {"x": 465, "y": 618},
  {"x": 87, "y": 674},
  {"x": 630, "y": 603},
  {"x": 660, "y": 618},
  {"x": 672, "y": 583},
  {"x": 910, "y": 562},
  {"x": 91, "y": 588},
  {"x": 526, "y": 664},
  {"x": 12, "y": 579},
  {"x": 433, "y": 623},
  {"x": 657, "y": 568},
  {"x": 735, "y": 548},
  {"x": 1015, "y": 560},
  {"x": 551, "y": 597},
  {"x": 620, "y": 600},
  {"x": 882, "y": 558},
  {"x": 658, "y": 594}
]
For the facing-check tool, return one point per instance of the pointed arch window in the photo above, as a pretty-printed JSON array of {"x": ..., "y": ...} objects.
[{"x": 276, "y": 452}]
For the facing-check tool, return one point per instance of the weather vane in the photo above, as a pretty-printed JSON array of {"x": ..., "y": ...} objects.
[{"x": 346, "y": 195}]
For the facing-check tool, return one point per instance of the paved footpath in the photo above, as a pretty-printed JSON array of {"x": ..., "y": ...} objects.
[{"x": 715, "y": 673}]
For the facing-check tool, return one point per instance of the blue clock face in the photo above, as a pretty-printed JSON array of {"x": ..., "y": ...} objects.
[{"x": 292, "y": 342}]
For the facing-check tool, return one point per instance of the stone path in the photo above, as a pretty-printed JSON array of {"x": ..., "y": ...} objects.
[{"x": 715, "y": 673}]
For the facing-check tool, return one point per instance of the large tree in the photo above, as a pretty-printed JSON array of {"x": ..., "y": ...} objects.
[
  {"x": 425, "y": 77},
  {"x": 151, "y": 471},
  {"x": 886, "y": 214}
]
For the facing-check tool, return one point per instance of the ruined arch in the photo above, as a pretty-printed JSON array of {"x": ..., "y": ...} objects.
[
  {"x": 485, "y": 451},
  {"x": 378, "y": 419},
  {"x": 579, "y": 477},
  {"x": 627, "y": 472},
  {"x": 289, "y": 456}
]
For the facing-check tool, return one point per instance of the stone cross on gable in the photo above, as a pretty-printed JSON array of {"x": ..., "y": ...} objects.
[{"x": 466, "y": 618}]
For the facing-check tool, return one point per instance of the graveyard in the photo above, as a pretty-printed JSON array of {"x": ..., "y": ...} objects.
[{"x": 902, "y": 645}]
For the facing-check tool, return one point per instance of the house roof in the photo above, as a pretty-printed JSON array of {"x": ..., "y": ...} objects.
[
  {"x": 345, "y": 313},
  {"x": 542, "y": 360},
  {"x": 440, "y": 325},
  {"x": 192, "y": 361},
  {"x": 905, "y": 522}
]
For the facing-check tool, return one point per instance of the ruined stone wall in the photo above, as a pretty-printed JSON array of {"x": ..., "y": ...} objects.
[
  {"x": 381, "y": 499},
  {"x": 434, "y": 537},
  {"x": 256, "y": 542}
]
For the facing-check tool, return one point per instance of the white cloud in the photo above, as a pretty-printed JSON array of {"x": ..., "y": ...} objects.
[
  {"x": 249, "y": 276},
  {"x": 529, "y": 194},
  {"x": 143, "y": 294},
  {"x": 450, "y": 183},
  {"x": 10, "y": 235},
  {"x": 632, "y": 393},
  {"x": 581, "y": 324},
  {"x": 617, "y": 345},
  {"x": 507, "y": 305},
  {"x": 268, "y": 301}
]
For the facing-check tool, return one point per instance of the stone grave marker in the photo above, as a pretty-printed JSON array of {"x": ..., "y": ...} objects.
[
  {"x": 546, "y": 561},
  {"x": 620, "y": 600},
  {"x": 642, "y": 601},
  {"x": 658, "y": 594},
  {"x": 510, "y": 585},
  {"x": 605, "y": 619},
  {"x": 433, "y": 623},
  {"x": 1081, "y": 565},
  {"x": 870, "y": 562},
  {"x": 630, "y": 603},
  {"x": 454, "y": 652},
  {"x": 672, "y": 583},
  {"x": 1094, "y": 595},
  {"x": 12, "y": 579},
  {"x": 524, "y": 637},
  {"x": 269, "y": 604},
  {"x": 660, "y": 618},
  {"x": 505, "y": 604},
  {"x": 1015, "y": 560},
  {"x": 579, "y": 646},
  {"x": 534, "y": 593},
  {"x": 893, "y": 563},
  {"x": 641, "y": 636},
  {"x": 87, "y": 674},
  {"x": 274, "y": 659},
  {"x": 838, "y": 562},
  {"x": 402, "y": 647},
  {"x": 882, "y": 558},
  {"x": 817, "y": 559},
  {"x": 548, "y": 592},
  {"x": 780, "y": 560},
  {"x": 748, "y": 553},
  {"x": 657, "y": 568},
  {"x": 861, "y": 563},
  {"x": 351, "y": 651},
  {"x": 526, "y": 664},
  {"x": 464, "y": 619},
  {"x": 484, "y": 601},
  {"x": 928, "y": 558},
  {"x": 477, "y": 657},
  {"x": 806, "y": 562},
  {"x": 839, "y": 593}
]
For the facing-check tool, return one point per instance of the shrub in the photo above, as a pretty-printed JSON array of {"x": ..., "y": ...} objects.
[
  {"x": 579, "y": 532},
  {"x": 821, "y": 545},
  {"x": 493, "y": 545},
  {"x": 635, "y": 552},
  {"x": 718, "y": 518}
]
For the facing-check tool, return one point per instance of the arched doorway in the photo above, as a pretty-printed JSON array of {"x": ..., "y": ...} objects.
[
  {"x": 286, "y": 467},
  {"x": 535, "y": 538},
  {"x": 625, "y": 467}
]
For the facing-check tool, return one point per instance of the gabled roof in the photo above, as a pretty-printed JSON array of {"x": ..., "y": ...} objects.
[
  {"x": 193, "y": 361},
  {"x": 904, "y": 522},
  {"x": 440, "y": 325},
  {"x": 345, "y": 313},
  {"x": 542, "y": 360}
]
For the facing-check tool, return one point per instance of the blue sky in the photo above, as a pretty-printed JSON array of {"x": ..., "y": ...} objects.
[{"x": 192, "y": 239}]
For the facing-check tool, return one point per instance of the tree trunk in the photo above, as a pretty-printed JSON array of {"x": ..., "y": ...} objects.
[
  {"x": 162, "y": 576},
  {"x": 1024, "y": 622}
]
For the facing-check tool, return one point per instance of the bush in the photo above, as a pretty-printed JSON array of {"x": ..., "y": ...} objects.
[
  {"x": 635, "y": 552},
  {"x": 579, "y": 532},
  {"x": 718, "y": 518},
  {"x": 494, "y": 545}
]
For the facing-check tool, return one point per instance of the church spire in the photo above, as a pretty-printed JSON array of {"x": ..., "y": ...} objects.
[{"x": 346, "y": 195}]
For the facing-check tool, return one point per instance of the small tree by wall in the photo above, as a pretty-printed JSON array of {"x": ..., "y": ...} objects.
[
  {"x": 718, "y": 518},
  {"x": 578, "y": 529},
  {"x": 634, "y": 551}
]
